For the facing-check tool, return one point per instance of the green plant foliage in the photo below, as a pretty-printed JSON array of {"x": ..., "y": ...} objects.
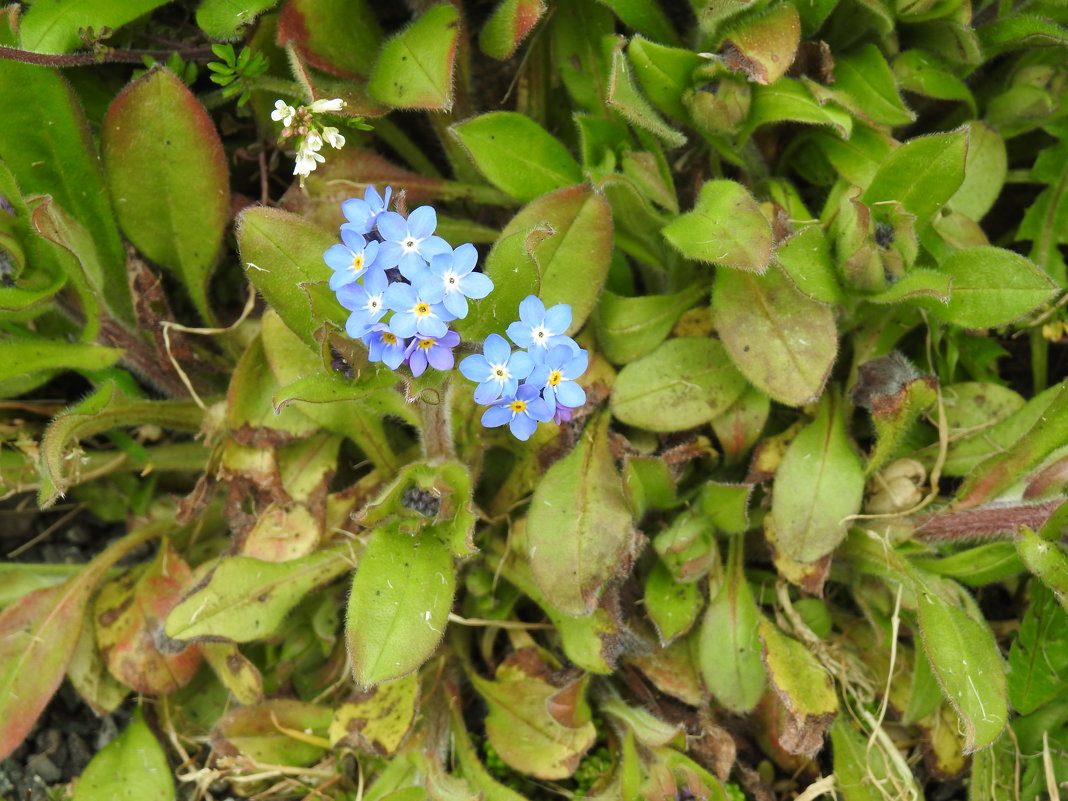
[{"x": 637, "y": 399}]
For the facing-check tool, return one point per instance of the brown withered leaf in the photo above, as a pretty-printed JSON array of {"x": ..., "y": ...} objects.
[{"x": 378, "y": 720}]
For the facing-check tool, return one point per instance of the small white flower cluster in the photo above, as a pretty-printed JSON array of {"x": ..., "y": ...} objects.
[{"x": 300, "y": 122}]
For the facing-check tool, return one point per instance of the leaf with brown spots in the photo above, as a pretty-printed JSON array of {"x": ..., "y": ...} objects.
[
  {"x": 128, "y": 615},
  {"x": 379, "y": 719}
]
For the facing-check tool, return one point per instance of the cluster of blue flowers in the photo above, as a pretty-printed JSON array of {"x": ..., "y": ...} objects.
[
  {"x": 547, "y": 362},
  {"x": 388, "y": 264}
]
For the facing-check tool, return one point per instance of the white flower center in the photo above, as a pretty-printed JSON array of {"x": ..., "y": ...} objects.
[
  {"x": 451, "y": 280},
  {"x": 409, "y": 244},
  {"x": 540, "y": 335},
  {"x": 500, "y": 372}
]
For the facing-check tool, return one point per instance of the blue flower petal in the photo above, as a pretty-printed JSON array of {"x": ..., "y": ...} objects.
[
  {"x": 422, "y": 222},
  {"x": 570, "y": 394},
  {"x": 522, "y": 426},
  {"x": 520, "y": 364},
  {"x": 352, "y": 239},
  {"x": 496, "y": 349},
  {"x": 403, "y": 324},
  {"x": 540, "y": 410},
  {"x": 431, "y": 326},
  {"x": 475, "y": 368},
  {"x": 392, "y": 227},
  {"x": 531, "y": 310},
  {"x": 338, "y": 257},
  {"x": 464, "y": 259},
  {"x": 399, "y": 297},
  {"x": 487, "y": 392},
  {"x": 476, "y": 285},
  {"x": 456, "y": 303},
  {"x": 577, "y": 365},
  {"x": 539, "y": 376},
  {"x": 496, "y": 416},
  {"x": 558, "y": 318},
  {"x": 519, "y": 333}
]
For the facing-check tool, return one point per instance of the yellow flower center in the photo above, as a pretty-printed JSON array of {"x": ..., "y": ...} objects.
[
  {"x": 357, "y": 262},
  {"x": 421, "y": 309},
  {"x": 555, "y": 378},
  {"x": 426, "y": 344},
  {"x": 517, "y": 406},
  {"x": 388, "y": 338}
]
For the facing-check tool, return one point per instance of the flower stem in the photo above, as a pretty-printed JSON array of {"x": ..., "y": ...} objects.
[{"x": 437, "y": 425}]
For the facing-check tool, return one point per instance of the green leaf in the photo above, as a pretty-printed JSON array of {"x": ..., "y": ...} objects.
[
  {"x": 225, "y": 19},
  {"x": 664, "y": 73},
  {"x": 341, "y": 39},
  {"x": 922, "y": 174},
  {"x": 1020, "y": 31},
  {"x": 646, "y": 17},
  {"x": 741, "y": 425},
  {"x": 966, "y": 661},
  {"x": 865, "y": 77},
  {"x": 326, "y": 388},
  {"x": 629, "y": 328},
  {"x": 859, "y": 770},
  {"x": 819, "y": 483},
  {"x": 25, "y": 356},
  {"x": 132, "y": 767},
  {"x": 250, "y": 399},
  {"x": 924, "y": 73},
  {"x": 399, "y": 604},
  {"x": 559, "y": 247},
  {"x": 38, "y": 635},
  {"x": 414, "y": 69},
  {"x": 59, "y": 159},
  {"x": 991, "y": 287},
  {"x": 917, "y": 285},
  {"x": 624, "y": 97},
  {"x": 692, "y": 376},
  {"x": 726, "y": 227},
  {"x": 253, "y": 732},
  {"x": 517, "y": 155},
  {"x": 1045, "y": 222},
  {"x": 1046, "y": 559},
  {"x": 579, "y": 527},
  {"x": 992, "y": 442},
  {"x": 806, "y": 258},
  {"x": 54, "y": 27},
  {"x": 789, "y": 99},
  {"x": 168, "y": 177},
  {"x": 672, "y": 605},
  {"x": 535, "y": 727},
  {"x": 984, "y": 172},
  {"x": 727, "y": 647},
  {"x": 1038, "y": 658},
  {"x": 857, "y": 158},
  {"x": 283, "y": 258},
  {"x": 244, "y": 599},
  {"x": 576, "y": 33},
  {"x": 508, "y": 25},
  {"x": 803, "y": 686},
  {"x": 782, "y": 341},
  {"x": 105, "y": 409}
]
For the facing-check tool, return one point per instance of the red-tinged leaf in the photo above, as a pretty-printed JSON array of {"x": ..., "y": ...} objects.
[
  {"x": 168, "y": 177},
  {"x": 508, "y": 26},
  {"x": 339, "y": 38},
  {"x": 38, "y": 635},
  {"x": 129, "y": 614}
]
